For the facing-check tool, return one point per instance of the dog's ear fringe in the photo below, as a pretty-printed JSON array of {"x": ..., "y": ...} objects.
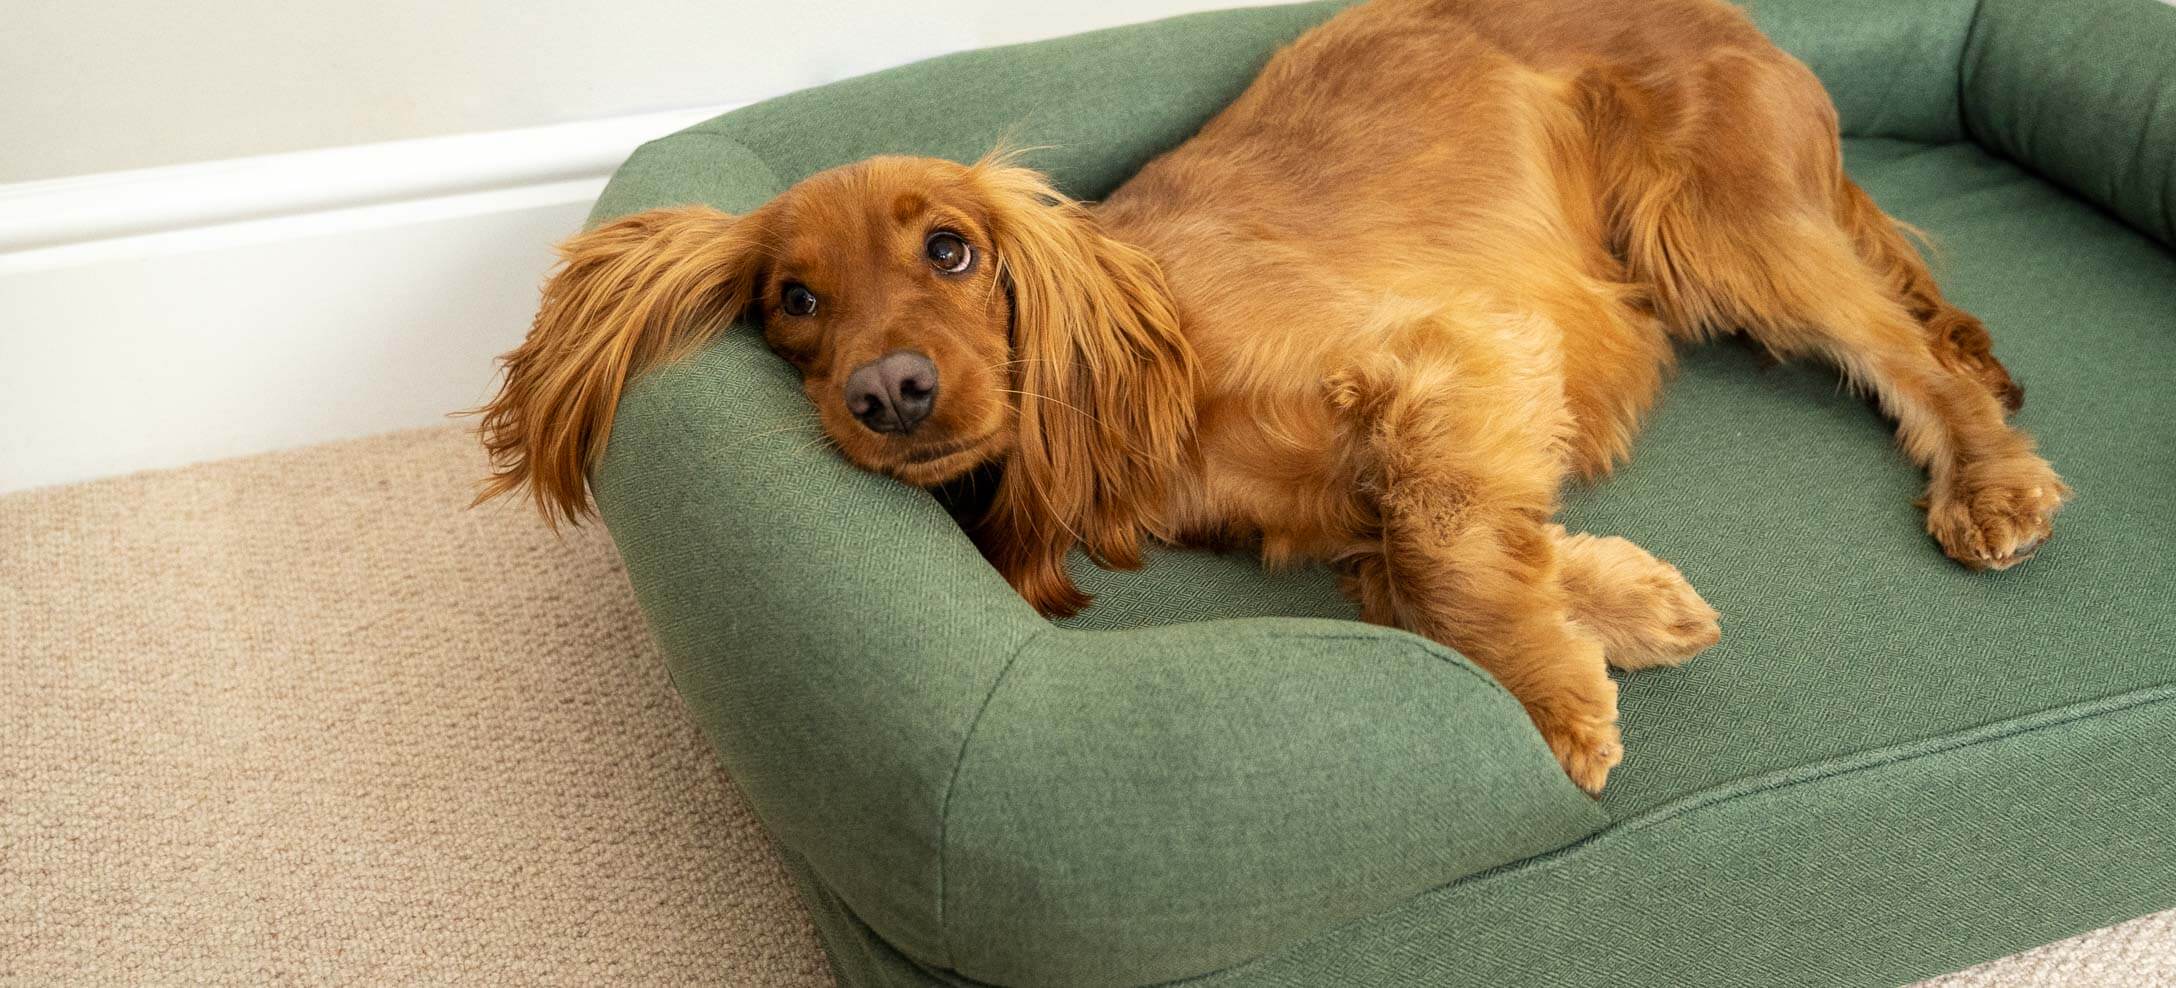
[
  {"x": 1107, "y": 389},
  {"x": 629, "y": 295}
]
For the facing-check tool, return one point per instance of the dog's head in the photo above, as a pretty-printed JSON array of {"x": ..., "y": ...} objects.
[{"x": 942, "y": 316}]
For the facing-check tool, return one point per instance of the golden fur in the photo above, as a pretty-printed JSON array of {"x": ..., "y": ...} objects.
[{"x": 1428, "y": 267}]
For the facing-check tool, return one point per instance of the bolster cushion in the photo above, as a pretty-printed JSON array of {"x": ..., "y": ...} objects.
[{"x": 2081, "y": 92}]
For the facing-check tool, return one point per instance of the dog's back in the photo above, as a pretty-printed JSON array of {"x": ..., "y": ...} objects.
[{"x": 1451, "y": 158}]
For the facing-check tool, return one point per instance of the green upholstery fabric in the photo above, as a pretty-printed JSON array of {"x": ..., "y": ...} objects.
[
  {"x": 2081, "y": 91},
  {"x": 1887, "y": 867},
  {"x": 972, "y": 780},
  {"x": 1195, "y": 795},
  {"x": 1890, "y": 66},
  {"x": 1889, "y": 767},
  {"x": 1098, "y": 105},
  {"x": 789, "y": 594}
]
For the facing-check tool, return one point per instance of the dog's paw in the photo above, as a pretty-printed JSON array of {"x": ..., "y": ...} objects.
[
  {"x": 1582, "y": 733},
  {"x": 1587, "y": 748},
  {"x": 1679, "y": 626},
  {"x": 1997, "y": 513},
  {"x": 1644, "y": 611}
]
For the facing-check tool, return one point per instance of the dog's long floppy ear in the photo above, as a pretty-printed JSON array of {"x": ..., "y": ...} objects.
[
  {"x": 630, "y": 294},
  {"x": 1108, "y": 386}
]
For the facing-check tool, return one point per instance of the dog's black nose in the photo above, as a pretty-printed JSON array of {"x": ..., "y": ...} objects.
[{"x": 893, "y": 392}]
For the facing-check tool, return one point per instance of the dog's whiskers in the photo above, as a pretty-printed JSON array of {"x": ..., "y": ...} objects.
[
  {"x": 1030, "y": 394},
  {"x": 803, "y": 427},
  {"x": 820, "y": 442}
]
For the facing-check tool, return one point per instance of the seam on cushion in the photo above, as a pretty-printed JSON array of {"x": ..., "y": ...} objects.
[
  {"x": 1964, "y": 60},
  {"x": 951, "y": 784},
  {"x": 1860, "y": 761},
  {"x": 1425, "y": 647},
  {"x": 770, "y": 172},
  {"x": 679, "y": 136},
  {"x": 777, "y": 185},
  {"x": 1775, "y": 782}
]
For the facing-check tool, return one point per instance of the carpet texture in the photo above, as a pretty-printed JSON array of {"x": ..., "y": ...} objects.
[{"x": 299, "y": 718}]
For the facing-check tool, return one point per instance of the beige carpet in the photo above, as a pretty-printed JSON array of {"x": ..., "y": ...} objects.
[{"x": 300, "y": 718}]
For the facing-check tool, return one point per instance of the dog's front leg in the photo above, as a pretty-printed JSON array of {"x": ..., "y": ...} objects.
[
  {"x": 1464, "y": 487},
  {"x": 1484, "y": 580}
]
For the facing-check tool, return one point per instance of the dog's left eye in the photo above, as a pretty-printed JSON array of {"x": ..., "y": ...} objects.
[{"x": 948, "y": 252}]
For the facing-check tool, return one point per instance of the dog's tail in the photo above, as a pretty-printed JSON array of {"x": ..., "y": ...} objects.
[
  {"x": 1958, "y": 339},
  {"x": 627, "y": 295}
]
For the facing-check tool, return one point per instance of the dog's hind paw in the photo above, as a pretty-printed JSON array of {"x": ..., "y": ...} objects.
[{"x": 1998, "y": 512}]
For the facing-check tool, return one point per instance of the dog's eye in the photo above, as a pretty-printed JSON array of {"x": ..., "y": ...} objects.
[
  {"x": 797, "y": 300},
  {"x": 948, "y": 252}
]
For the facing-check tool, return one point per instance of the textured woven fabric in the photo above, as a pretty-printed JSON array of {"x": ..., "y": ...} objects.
[
  {"x": 509, "y": 793},
  {"x": 1890, "y": 67},
  {"x": 305, "y": 719},
  {"x": 2070, "y": 90},
  {"x": 1190, "y": 796},
  {"x": 844, "y": 731},
  {"x": 2137, "y": 954},
  {"x": 981, "y": 786},
  {"x": 1871, "y": 870},
  {"x": 844, "y": 645}
]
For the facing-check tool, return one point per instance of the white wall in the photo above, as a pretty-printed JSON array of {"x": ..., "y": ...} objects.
[
  {"x": 102, "y": 85},
  {"x": 181, "y": 279}
]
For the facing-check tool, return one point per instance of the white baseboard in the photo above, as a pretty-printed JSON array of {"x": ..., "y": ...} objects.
[{"x": 172, "y": 315}]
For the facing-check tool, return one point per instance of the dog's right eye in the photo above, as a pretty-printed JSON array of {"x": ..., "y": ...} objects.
[{"x": 797, "y": 300}]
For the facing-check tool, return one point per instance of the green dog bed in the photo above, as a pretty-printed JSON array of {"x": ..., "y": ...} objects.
[{"x": 1891, "y": 767}]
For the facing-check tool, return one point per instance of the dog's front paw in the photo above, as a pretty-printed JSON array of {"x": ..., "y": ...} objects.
[
  {"x": 1582, "y": 732},
  {"x": 1996, "y": 513}
]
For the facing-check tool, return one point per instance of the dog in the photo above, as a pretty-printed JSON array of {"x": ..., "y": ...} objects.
[{"x": 1430, "y": 266}]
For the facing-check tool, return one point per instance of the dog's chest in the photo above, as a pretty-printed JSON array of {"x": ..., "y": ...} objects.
[{"x": 1274, "y": 473}]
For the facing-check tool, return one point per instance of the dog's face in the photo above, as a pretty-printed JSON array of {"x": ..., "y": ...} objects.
[
  {"x": 881, "y": 284},
  {"x": 941, "y": 316}
]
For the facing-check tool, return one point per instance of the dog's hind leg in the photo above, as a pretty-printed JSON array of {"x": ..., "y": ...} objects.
[
  {"x": 1642, "y": 608},
  {"x": 1957, "y": 338},
  {"x": 1990, "y": 499},
  {"x": 1745, "y": 221}
]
